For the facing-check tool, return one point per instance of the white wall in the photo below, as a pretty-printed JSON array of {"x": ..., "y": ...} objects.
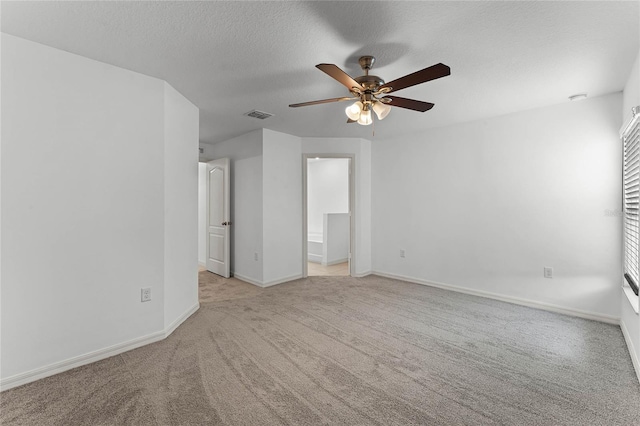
[
  {"x": 327, "y": 190},
  {"x": 206, "y": 153},
  {"x": 361, "y": 148},
  {"x": 629, "y": 319},
  {"x": 245, "y": 154},
  {"x": 83, "y": 178},
  {"x": 485, "y": 205},
  {"x": 631, "y": 92},
  {"x": 202, "y": 213},
  {"x": 266, "y": 169},
  {"x": 282, "y": 207},
  {"x": 336, "y": 238},
  {"x": 181, "y": 133}
]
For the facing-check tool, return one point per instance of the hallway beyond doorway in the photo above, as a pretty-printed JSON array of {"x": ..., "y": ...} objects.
[{"x": 316, "y": 269}]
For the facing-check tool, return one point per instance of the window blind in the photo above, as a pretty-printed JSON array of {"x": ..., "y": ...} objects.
[{"x": 631, "y": 188}]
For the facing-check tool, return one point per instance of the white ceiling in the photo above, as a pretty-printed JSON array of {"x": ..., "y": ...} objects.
[{"x": 231, "y": 57}]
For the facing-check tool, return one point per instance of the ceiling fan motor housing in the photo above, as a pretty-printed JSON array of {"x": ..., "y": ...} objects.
[{"x": 370, "y": 82}]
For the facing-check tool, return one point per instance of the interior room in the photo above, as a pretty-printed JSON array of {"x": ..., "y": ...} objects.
[
  {"x": 489, "y": 273},
  {"x": 328, "y": 219}
]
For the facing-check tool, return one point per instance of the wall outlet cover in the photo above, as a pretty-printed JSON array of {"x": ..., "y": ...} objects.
[{"x": 145, "y": 294}]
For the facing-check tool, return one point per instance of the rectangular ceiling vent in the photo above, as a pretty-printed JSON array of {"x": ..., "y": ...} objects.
[{"x": 259, "y": 114}]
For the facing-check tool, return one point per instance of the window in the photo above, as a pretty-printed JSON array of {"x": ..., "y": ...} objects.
[{"x": 631, "y": 187}]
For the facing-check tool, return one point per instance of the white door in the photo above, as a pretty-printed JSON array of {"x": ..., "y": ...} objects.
[{"x": 218, "y": 219}]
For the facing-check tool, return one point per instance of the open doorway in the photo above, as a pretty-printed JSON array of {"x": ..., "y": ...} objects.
[
  {"x": 214, "y": 212},
  {"x": 328, "y": 215}
]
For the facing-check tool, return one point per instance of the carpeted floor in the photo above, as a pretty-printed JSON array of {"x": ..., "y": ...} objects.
[
  {"x": 350, "y": 351},
  {"x": 214, "y": 288}
]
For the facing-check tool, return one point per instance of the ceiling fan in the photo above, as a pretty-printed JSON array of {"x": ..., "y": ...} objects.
[{"x": 370, "y": 91}]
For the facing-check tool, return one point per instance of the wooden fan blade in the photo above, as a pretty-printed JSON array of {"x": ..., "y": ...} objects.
[
  {"x": 323, "y": 101},
  {"x": 342, "y": 77},
  {"x": 408, "y": 103},
  {"x": 431, "y": 73}
]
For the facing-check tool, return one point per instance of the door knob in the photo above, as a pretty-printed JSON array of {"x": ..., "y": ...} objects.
[{"x": 226, "y": 223}]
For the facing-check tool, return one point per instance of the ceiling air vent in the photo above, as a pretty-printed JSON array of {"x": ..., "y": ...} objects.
[{"x": 259, "y": 114}]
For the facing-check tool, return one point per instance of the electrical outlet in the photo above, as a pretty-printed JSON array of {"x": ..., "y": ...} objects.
[
  {"x": 401, "y": 252},
  {"x": 548, "y": 272},
  {"x": 255, "y": 256},
  {"x": 145, "y": 294}
]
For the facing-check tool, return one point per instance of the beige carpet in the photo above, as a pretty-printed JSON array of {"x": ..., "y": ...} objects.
[
  {"x": 212, "y": 288},
  {"x": 341, "y": 350}
]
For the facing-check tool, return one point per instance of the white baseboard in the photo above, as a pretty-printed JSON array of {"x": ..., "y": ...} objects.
[
  {"x": 315, "y": 258},
  {"x": 282, "y": 280},
  {"x": 632, "y": 351},
  {"x": 94, "y": 356},
  {"x": 516, "y": 300},
  {"x": 247, "y": 279},
  {"x": 203, "y": 264},
  {"x": 335, "y": 262},
  {"x": 176, "y": 323},
  {"x": 268, "y": 283},
  {"x": 361, "y": 274}
]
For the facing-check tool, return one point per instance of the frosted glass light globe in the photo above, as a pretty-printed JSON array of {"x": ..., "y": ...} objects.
[
  {"x": 353, "y": 111},
  {"x": 365, "y": 118},
  {"x": 381, "y": 110}
]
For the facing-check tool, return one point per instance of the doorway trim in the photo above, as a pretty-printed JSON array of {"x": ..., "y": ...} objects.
[{"x": 352, "y": 210}]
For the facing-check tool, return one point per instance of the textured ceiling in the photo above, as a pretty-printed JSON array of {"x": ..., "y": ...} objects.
[{"x": 231, "y": 57}]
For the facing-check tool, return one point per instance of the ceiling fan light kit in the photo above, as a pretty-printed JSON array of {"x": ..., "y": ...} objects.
[
  {"x": 365, "y": 117},
  {"x": 353, "y": 111},
  {"x": 370, "y": 91},
  {"x": 381, "y": 110}
]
